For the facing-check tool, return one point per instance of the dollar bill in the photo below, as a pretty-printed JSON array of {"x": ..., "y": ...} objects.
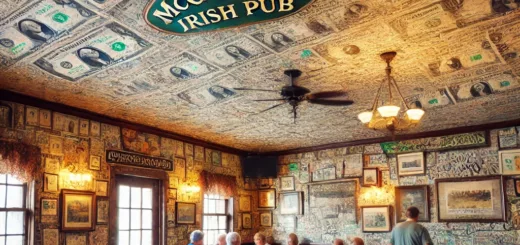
[
  {"x": 429, "y": 100},
  {"x": 102, "y": 48},
  {"x": 483, "y": 85},
  {"x": 102, "y": 5},
  {"x": 211, "y": 93},
  {"x": 37, "y": 25}
]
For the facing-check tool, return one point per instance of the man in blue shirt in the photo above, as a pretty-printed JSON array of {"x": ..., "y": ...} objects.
[
  {"x": 410, "y": 232},
  {"x": 196, "y": 238}
]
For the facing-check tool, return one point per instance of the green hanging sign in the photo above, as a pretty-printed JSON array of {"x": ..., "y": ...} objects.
[
  {"x": 196, "y": 16},
  {"x": 293, "y": 167}
]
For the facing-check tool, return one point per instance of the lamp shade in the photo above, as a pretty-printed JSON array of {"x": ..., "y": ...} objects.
[
  {"x": 388, "y": 110},
  {"x": 365, "y": 117},
  {"x": 415, "y": 114}
]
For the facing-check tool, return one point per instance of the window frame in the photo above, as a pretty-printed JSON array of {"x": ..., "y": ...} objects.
[
  {"x": 25, "y": 209},
  {"x": 228, "y": 213}
]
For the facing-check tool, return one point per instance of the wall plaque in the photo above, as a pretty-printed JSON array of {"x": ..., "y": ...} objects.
[
  {"x": 195, "y": 16},
  {"x": 138, "y": 160}
]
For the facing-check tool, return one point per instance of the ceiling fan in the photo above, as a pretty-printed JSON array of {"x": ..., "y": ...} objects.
[{"x": 293, "y": 95}]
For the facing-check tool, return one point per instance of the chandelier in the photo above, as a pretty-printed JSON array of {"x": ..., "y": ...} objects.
[{"x": 387, "y": 114}]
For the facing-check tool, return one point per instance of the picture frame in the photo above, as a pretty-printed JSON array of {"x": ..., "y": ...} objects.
[
  {"x": 516, "y": 183},
  {"x": 507, "y": 138},
  {"x": 45, "y": 118},
  {"x": 50, "y": 182},
  {"x": 76, "y": 239},
  {"x": 173, "y": 182},
  {"x": 101, "y": 188},
  {"x": 267, "y": 198},
  {"x": 247, "y": 221},
  {"x": 52, "y": 165},
  {"x": 49, "y": 207},
  {"x": 78, "y": 210},
  {"x": 266, "y": 219},
  {"x": 266, "y": 183},
  {"x": 84, "y": 127},
  {"x": 509, "y": 162},
  {"x": 51, "y": 237},
  {"x": 417, "y": 196},
  {"x": 376, "y": 218},
  {"x": 32, "y": 115},
  {"x": 353, "y": 166},
  {"x": 185, "y": 213},
  {"x": 95, "y": 162},
  {"x": 324, "y": 174},
  {"x": 244, "y": 203},
  {"x": 375, "y": 160},
  {"x": 287, "y": 183},
  {"x": 472, "y": 199},
  {"x": 95, "y": 129},
  {"x": 371, "y": 177},
  {"x": 411, "y": 164},
  {"x": 172, "y": 193},
  {"x": 103, "y": 209},
  {"x": 291, "y": 203}
]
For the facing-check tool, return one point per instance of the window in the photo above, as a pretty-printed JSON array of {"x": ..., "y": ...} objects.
[
  {"x": 216, "y": 217},
  {"x": 13, "y": 224},
  {"x": 137, "y": 211}
]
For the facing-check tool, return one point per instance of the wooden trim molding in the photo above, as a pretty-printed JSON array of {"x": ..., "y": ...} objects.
[{"x": 7, "y": 95}]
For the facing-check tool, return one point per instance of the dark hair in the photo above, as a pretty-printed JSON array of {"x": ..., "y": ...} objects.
[
  {"x": 485, "y": 90},
  {"x": 412, "y": 212}
]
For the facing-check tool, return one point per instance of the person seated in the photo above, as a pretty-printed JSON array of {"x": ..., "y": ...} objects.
[
  {"x": 269, "y": 240},
  {"x": 221, "y": 239},
  {"x": 233, "y": 238},
  {"x": 196, "y": 238},
  {"x": 292, "y": 239},
  {"x": 357, "y": 241},
  {"x": 259, "y": 239},
  {"x": 338, "y": 241}
]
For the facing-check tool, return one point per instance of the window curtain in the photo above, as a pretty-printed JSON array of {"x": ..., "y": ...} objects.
[
  {"x": 19, "y": 160},
  {"x": 223, "y": 185}
]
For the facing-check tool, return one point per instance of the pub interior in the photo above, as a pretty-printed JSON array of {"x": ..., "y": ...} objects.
[{"x": 136, "y": 122}]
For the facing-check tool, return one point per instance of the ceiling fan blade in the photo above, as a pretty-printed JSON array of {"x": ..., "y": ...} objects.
[
  {"x": 257, "y": 89},
  {"x": 331, "y": 102},
  {"x": 327, "y": 94},
  {"x": 272, "y": 107},
  {"x": 270, "y": 100}
]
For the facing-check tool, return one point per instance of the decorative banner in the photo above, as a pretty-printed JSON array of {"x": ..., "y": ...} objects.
[
  {"x": 195, "y": 16},
  {"x": 138, "y": 160},
  {"x": 448, "y": 142}
]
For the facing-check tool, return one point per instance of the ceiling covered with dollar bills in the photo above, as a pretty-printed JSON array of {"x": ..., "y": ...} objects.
[{"x": 457, "y": 59}]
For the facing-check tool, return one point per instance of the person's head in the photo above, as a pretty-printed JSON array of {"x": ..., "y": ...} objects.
[
  {"x": 338, "y": 241},
  {"x": 221, "y": 239},
  {"x": 6, "y": 42},
  {"x": 292, "y": 239},
  {"x": 196, "y": 237},
  {"x": 233, "y": 238},
  {"x": 232, "y": 49},
  {"x": 480, "y": 89},
  {"x": 357, "y": 241},
  {"x": 269, "y": 240},
  {"x": 412, "y": 213},
  {"x": 259, "y": 239},
  {"x": 278, "y": 37}
]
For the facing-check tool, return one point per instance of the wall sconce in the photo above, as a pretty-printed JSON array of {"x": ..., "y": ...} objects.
[
  {"x": 190, "y": 190},
  {"x": 374, "y": 195},
  {"x": 76, "y": 180}
]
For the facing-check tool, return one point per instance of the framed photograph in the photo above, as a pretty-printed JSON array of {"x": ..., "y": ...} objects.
[
  {"x": 50, "y": 182},
  {"x": 216, "y": 158},
  {"x": 516, "y": 182},
  {"x": 49, "y": 207},
  {"x": 507, "y": 138},
  {"x": 353, "y": 166},
  {"x": 188, "y": 149},
  {"x": 95, "y": 129},
  {"x": 370, "y": 177},
  {"x": 509, "y": 161},
  {"x": 417, "y": 196},
  {"x": 375, "y": 161},
  {"x": 95, "y": 162},
  {"x": 31, "y": 116},
  {"x": 411, "y": 164},
  {"x": 52, "y": 165},
  {"x": 174, "y": 182},
  {"x": 474, "y": 199},
  {"x": 328, "y": 173},
  {"x": 172, "y": 194},
  {"x": 75, "y": 239},
  {"x": 102, "y": 211},
  {"x": 84, "y": 127},
  {"x": 247, "y": 222},
  {"x": 78, "y": 210},
  {"x": 101, "y": 188},
  {"x": 198, "y": 153},
  {"x": 185, "y": 213},
  {"x": 267, "y": 198},
  {"x": 244, "y": 203},
  {"x": 266, "y": 219},
  {"x": 291, "y": 202},
  {"x": 55, "y": 145},
  {"x": 45, "y": 118},
  {"x": 51, "y": 237},
  {"x": 287, "y": 183},
  {"x": 376, "y": 219}
]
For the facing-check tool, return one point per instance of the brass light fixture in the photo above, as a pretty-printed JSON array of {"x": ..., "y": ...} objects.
[{"x": 387, "y": 114}]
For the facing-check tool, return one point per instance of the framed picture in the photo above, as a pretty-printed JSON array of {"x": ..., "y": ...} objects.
[
  {"x": 411, "y": 164},
  {"x": 50, "y": 182},
  {"x": 188, "y": 149},
  {"x": 507, "y": 138},
  {"x": 353, "y": 166},
  {"x": 287, "y": 183},
  {"x": 185, "y": 213},
  {"x": 95, "y": 129},
  {"x": 51, "y": 236},
  {"x": 375, "y": 161},
  {"x": 509, "y": 161},
  {"x": 198, "y": 153},
  {"x": 244, "y": 203},
  {"x": 75, "y": 239},
  {"x": 78, "y": 210},
  {"x": 174, "y": 182},
  {"x": 31, "y": 116},
  {"x": 267, "y": 198},
  {"x": 102, "y": 211},
  {"x": 45, "y": 118},
  {"x": 516, "y": 182},
  {"x": 266, "y": 183},
  {"x": 328, "y": 173},
  {"x": 474, "y": 199},
  {"x": 83, "y": 127},
  {"x": 291, "y": 202},
  {"x": 266, "y": 219},
  {"x": 376, "y": 219},
  {"x": 95, "y": 163},
  {"x": 52, "y": 165},
  {"x": 370, "y": 177},
  {"x": 49, "y": 207},
  {"x": 216, "y": 158},
  {"x": 417, "y": 196},
  {"x": 247, "y": 222},
  {"x": 172, "y": 194},
  {"x": 101, "y": 188}
]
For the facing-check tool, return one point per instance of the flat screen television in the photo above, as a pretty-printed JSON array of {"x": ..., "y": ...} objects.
[{"x": 259, "y": 166}]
